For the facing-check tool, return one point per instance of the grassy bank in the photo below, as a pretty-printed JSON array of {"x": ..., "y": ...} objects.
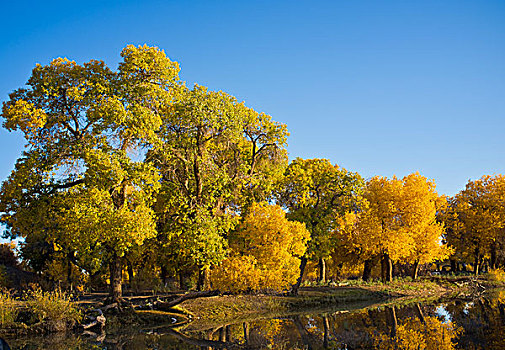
[
  {"x": 345, "y": 296},
  {"x": 38, "y": 312}
]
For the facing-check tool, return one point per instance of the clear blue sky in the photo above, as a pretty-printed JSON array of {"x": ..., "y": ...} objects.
[{"x": 379, "y": 87}]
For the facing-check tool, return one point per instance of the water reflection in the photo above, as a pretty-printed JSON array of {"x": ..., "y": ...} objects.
[{"x": 457, "y": 324}]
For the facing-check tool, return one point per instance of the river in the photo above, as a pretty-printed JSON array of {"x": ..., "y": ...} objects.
[{"x": 437, "y": 325}]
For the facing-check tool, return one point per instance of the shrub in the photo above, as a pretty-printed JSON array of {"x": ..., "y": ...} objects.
[
  {"x": 8, "y": 309},
  {"x": 496, "y": 275},
  {"x": 55, "y": 308}
]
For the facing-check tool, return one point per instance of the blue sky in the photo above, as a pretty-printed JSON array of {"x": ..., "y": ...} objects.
[{"x": 378, "y": 87}]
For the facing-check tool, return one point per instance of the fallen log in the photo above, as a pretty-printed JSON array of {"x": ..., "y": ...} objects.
[{"x": 191, "y": 295}]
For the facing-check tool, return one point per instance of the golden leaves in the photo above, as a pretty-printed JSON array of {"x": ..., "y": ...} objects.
[
  {"x": 398, "y": 219},
  {"x": 268, "y": 247},
  {"x": 23, "y": 115}
]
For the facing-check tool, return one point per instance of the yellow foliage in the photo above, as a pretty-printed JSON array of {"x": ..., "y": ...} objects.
[
  {"x": 268, "y": 249},
  {"x": 431, "y": 334},
  {"x": 53, "y": 306},
  {"x": 475, "y": 218},
  {"x": 397, "y": 219},
  {"x": 8, "y": 308},
  {"x": 236, "y": 274},
  {"x": 497, "y": 275},
  {"x": 58, "y": 270},
  {"x": 25, "y": 116}
]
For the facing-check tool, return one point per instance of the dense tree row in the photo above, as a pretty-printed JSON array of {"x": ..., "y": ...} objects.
[
  {"x": 130, "y": 173},
  {"x": 475, "y": 224}
]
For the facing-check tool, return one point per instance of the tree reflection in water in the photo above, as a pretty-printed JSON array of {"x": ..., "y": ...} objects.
[{"x": 460, "y": 324}]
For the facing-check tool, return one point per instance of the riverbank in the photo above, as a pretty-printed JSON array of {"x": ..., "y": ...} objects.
[
  {"x": 202, "y": 313},
  {"x": 341, "y": 297}
]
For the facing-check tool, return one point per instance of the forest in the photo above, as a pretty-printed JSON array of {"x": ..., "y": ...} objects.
[{"x": 130, "y": 178}]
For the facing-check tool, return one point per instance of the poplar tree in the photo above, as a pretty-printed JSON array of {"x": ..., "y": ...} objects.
[{"x": 81, "y": 182}]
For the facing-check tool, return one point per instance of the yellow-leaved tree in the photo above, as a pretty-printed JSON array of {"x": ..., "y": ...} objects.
[
  {"x": 266, "y": 252},
  {"x": 421, "y": 203},
  {"x": 397, "y": 222},
  {"x": 475, "y": 220}
]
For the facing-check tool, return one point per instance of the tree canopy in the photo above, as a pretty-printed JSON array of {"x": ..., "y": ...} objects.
[{"x": 130, "y": 169}]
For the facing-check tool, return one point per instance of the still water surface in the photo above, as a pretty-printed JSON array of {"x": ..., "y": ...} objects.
[{"x": 453, "y": 324}]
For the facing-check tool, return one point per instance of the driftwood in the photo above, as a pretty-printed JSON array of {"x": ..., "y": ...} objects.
[{"x": 187, "y": 296}]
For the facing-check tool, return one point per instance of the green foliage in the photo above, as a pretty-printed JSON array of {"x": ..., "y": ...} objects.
[
  {"x": 81, "y": 184},
  {"x": 130, "y": 165},
  {"x": 216, "y": 157},
  {"x": 316, "y": 193}
]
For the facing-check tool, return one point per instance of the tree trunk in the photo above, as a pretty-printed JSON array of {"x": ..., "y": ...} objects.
[
  {"x": 392, "y": 320},
  {"x": 420, "y": 313},
  {"x": 163, "y": 274},
  {"x": 304, "y": 334},
  {"x": 322, "y": 270},
  {"x": 191, "y": 295},
  {"x": 476, "y": 266},
  {"x": 476, "y": 261},
  {"x": 130, "y": 273},
  {"x": 387, "y": 268},
  {"x": 326, "y": 337},
  {"x": 222, "y": 335},
  {"x": 202, "y": 279},
  {"x": 227, "y": 331},
  {"x": 492, "y": 260},
  {"x": 454, "y": 266},
  {"x": 415, "y": 270},
  {"x": 181, "y": 280},
  {"x": 246, "y": 333},
  {"x": 296, "y": 286},
  {"x": 367, "y": 270},
  {"x": 115, "y": 278},
  {"x": 69, "y": 274}
]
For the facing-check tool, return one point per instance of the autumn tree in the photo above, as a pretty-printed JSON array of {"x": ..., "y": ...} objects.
[
  {"x": 475, "y": 220},
  {"x": 397, "y": 223},
  {"x": 428, "y": 333},
  {"x": 316, "y": 193},
  {"x": 420, "y": 206},
  {"x": 216, "y": 157},
  {"x": 266, "y": 252},
  {"x": 87, "y": 128}
]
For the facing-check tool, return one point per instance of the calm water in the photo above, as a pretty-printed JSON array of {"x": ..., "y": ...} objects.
[{"x": 455, "y": 324}]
